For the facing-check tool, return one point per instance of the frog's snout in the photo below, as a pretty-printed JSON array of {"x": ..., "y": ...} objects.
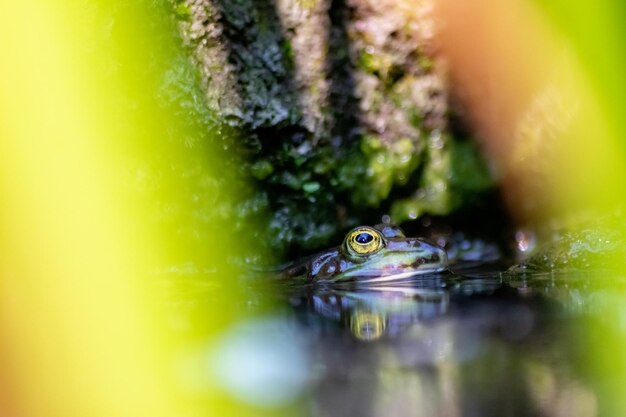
[
  {"x": 431, "y": 255},
  {"x": 440, "y": 256}
]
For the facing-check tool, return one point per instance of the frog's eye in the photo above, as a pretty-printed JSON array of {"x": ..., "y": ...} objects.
[{"x": 364, "y": 241}]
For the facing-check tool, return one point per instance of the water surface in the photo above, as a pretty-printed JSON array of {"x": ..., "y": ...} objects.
[{"x": 480, "y": 343}]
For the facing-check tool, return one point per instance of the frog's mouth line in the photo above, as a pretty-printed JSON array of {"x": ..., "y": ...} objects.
[
  {"x": 400, "y": 275},
  {"x": 421, "y": 266}
]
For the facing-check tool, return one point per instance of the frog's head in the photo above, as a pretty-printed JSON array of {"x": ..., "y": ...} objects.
[{"x": 383, "y": 253}]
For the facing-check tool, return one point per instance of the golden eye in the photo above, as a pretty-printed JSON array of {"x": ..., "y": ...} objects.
[
  {"x": 364, "y": 241},
  {"x": 367, "y": 326}
]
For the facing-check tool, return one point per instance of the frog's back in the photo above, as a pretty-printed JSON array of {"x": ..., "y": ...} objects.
[{"x": 321, "y": 266}]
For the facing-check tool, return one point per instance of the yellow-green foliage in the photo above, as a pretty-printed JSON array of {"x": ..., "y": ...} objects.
[
  {"x": 596, "y": 35},
  {"x": 114, "y": 190}
]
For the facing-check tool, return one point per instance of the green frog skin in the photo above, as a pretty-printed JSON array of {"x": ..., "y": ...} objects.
[{"x": 371, "y": 254}]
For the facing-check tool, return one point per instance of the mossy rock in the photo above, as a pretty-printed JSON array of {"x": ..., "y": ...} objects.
[{"x": 339, "y": 120}]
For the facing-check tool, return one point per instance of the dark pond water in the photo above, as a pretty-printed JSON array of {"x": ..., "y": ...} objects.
[{"x": 480, "y": 343}]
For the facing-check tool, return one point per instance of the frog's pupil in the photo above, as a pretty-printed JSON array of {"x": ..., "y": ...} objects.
[{"x": 364, "y": 238}]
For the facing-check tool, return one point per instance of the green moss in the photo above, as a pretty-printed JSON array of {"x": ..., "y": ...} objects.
[
  {"x": 387, "y": 166},
  {"x": 311, "y": 187},
  {"x": 324, "y": 165},
  {"x": 369, "y": 62},
  {"x": 182, "y": 11},
  {"x": 290, "y": 180},
  {"x": 406, "y": 209},
  {"x": 435, "y": 193},
  {"x": 454, "y": 172},
  {"x": 468, "y": 170},
  {"x": 378, "y": 63},
  {"x": 287, "y": 49},
  {"x": 595, "y": 246},
  {"x": 350, "y": 173},
  {"x": 292, "y": 227},
  {"x": 308, "y": 4},
  {"x": 426, "y": 63},
  {"x": 261, "y": 169}
]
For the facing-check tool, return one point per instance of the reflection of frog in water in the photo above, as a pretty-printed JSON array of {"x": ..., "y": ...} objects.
[
  {"x": 370, "y": 254},
  {"x": 370, "y": 312}
]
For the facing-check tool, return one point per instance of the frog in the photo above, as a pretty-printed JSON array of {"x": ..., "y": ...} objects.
[{"x": 371, "y": 254}]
